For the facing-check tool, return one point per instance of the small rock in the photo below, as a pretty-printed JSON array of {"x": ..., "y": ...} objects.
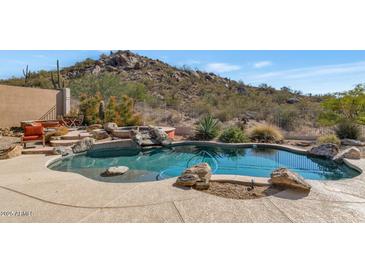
[
  {"x": 11, "y": 152},
  {"x": 287, "y": 178},
  {"x": 352, "y": 142},
  {"x": 350, "y": 153},
  {"x": 64, "y": 151},
  {"x": 292, "y": 100},
  {"x": 115, "y": 171},
  {"x": 202, "y": 185},
  {"x": 94, "y": 126},
  {"x": 83, "y": 145},
  {"x": 324, "y": 150},
  {"x": 109, "y": 127},
  {"x": 187, "y": 180},
  {"x": 303, "y": 143},
  {"x": 100, "y": 134}
]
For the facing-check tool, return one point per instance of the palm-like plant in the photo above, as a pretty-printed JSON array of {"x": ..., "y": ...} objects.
[{"x": 207, "y": 129}]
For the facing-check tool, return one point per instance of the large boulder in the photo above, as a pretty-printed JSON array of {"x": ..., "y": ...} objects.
[
  {"x": 286, "y": 178},
  {"x": 109, "y": 127},
  {"x": 159, "y": 135},
  {"x": 137, "y": 137},
  {"x": 324, "y": 150},
  {"x": 352, "y": 142},
  {"x": 150, "y": 136},
  {"x": 83, "y": 145},
  {"x": 198, "y": 176},
  {"x": 350, "y": 153},
  {"x": 292, "y": 100},
  {"x": 60, "y": 150},
  {"x": 99, "y": 134},
  {"x": 203, "y": 170},
  {"x": 115, "y": 171},
  {"x": 10, "y": 152}
]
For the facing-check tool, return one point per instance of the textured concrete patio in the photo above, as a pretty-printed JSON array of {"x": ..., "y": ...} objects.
[{"x": 28, "y": 186}]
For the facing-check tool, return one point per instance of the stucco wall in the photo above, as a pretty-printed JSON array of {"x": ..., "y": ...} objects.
[{"x": 20, "y": 103}]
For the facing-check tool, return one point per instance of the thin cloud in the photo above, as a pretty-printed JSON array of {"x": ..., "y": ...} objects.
[
  {"x": 309, "y": 72},
  {"x": 190, "y": 62},
  {"x": 41, "y": 56},
  {"x": 262, "y": 64},
  {"x": 221, "y": 67}
]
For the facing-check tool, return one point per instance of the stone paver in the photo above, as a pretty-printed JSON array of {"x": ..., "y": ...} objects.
[{"x": 26, "y": 184}]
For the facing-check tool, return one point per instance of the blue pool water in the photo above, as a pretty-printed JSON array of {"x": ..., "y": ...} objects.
[{"x": 162, "y": 163}]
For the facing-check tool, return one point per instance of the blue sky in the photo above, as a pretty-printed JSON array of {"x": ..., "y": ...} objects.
[{"x": 308, "y": 71}]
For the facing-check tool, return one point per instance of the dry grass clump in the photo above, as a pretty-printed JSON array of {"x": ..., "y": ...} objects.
[
  {"x": 60, "y": 131},
  {"x": 266, "y": 133},
  {"x": 329, "y": 139}
]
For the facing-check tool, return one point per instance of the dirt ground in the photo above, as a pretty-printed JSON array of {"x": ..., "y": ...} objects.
[{"x": 239, "y": 191}]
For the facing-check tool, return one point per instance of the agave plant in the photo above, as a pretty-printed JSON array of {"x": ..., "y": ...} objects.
[{"x": 207, "y": 129}]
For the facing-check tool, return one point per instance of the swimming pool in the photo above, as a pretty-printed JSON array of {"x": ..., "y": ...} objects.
[{"x": 161, "y": 163}]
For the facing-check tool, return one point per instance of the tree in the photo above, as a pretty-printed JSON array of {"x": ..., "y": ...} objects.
[
  {"x": 89, "y": 107},
  {"x": 346, "y": 106},
  {"x": 111, "y": 113}
]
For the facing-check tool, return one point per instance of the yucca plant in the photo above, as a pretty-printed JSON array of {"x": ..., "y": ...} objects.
[{"x": 207, "y": 128}]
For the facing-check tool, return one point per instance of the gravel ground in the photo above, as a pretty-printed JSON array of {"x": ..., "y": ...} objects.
[
  {"x": 239, "y": 191},
  {"x": 5, "y": 141}
]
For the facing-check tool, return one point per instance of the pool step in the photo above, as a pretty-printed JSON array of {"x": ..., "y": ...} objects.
[
  {"x": 63, "y": 143},
  {"x": 76, "y": 135}
]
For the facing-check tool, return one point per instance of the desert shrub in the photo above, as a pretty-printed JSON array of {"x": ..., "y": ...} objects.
[
  {"x": 328, "y": 139},
  {"x": 207, "y": 129},
  {"x": 60, "y": 131},
  {"x": 266, "y": 133},
  {"x": 347, "y": 129},
  {"x": 286, "y": 117},
  {"x": 109, "y": 84},
  {"x": 89, "y": 107},
  {"x": 233, "y": 135},
  {"x": 111, "y": 113},
  {"x": 127, "y": 115}
]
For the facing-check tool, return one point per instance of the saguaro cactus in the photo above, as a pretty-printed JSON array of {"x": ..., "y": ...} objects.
[
  {"x": 58, "y": 83},
  {"x": 102, "y": 111},
  {"x": 27, "y": 73}
]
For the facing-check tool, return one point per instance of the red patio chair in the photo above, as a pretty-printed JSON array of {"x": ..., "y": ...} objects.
[{"x": 33, "y": 133}]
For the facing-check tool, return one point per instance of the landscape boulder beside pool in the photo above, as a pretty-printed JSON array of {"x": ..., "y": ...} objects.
[
  {"x": 350, "y": 153},
  {"x": 325, "y": 150},
  {"x": 286, "y": 178},
  {"x": 197, "y": 176},
  {"x": 83, "y": 145},
  {"x": 115, "y": 171}
]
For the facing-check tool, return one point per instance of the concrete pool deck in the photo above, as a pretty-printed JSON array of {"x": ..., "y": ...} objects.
[{"x": 28, "y": 187}]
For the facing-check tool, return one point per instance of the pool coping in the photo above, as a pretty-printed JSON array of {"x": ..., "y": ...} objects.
[{"x": 232, "y": 177}]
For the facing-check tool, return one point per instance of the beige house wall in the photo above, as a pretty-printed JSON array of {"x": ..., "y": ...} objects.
[{"x": 21, "y": 103}]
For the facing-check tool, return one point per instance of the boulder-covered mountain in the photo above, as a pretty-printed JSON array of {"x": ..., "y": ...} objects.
[{"x": 176, "y": 95}]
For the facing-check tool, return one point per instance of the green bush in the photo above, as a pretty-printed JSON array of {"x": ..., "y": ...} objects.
[
  {"x": 207, "y": 129},
  {"x": 266, "y": 133},
  {"x": 233, "y": 135},
  {"x": 328, "y": 139},
  {"x": 347, "y": 129}
]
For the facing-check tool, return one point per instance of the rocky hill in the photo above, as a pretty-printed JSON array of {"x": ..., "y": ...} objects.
[{"x": 182, "y": 94}]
